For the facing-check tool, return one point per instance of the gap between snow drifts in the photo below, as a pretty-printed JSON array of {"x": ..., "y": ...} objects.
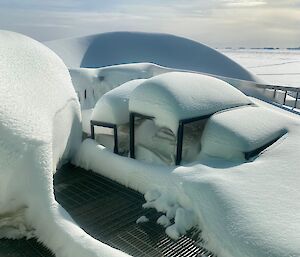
[{"x": 176, "y": 219}]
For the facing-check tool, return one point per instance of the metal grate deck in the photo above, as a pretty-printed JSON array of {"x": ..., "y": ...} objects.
[{"x": 108, "y": 211}]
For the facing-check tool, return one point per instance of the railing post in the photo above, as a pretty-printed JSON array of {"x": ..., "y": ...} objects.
[
  {"x": 116, "y": 146},
  {"x": 296, "y": 99},
  {"x": 274, "y": 95},
  {"x": 179, "y": 143},
  {"x": 131, "y": 135},
  {"x": 284, "y": 99},
  {"x": 92, "y": 131}
]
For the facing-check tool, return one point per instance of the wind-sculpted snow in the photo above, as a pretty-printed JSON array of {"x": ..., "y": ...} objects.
[
  {"x": 39, "y": 129},
  {"x": 132, "y": 47}
]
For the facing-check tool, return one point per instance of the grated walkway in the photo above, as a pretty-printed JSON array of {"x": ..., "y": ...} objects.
[{"x": 108, "y": 211}]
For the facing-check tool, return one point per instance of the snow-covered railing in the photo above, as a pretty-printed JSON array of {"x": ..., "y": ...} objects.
[
  {"x": 283, "y": 96},
  {"x": 294, "y": 93},
  {"x": 280, "y": 95}
]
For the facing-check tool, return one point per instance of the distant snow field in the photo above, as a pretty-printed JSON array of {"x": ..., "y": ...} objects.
[{"x": 277, "y": 66}]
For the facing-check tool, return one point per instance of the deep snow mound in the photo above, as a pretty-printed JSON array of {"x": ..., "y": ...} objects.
[
  {"x": 131, "y": 47},
  {"x": 39, "y": 127},
  {"x": 38, "y": 101},
  {"x": 175, "y": 96}
]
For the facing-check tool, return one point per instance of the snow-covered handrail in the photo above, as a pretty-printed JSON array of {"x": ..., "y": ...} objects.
[{"x": 258, "y": 89}]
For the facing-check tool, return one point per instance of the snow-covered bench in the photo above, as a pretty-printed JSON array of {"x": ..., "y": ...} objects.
[
  {"x": 177, "y": 98},
  {"x": 111, "y": 110},
  {"x": 241, "y": 133}
]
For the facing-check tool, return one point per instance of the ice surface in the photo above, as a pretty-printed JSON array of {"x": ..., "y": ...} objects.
[
  {"x": 174, "y": 96},
  {"x": 132, "y": 47},
  {"x": 39, "y": 129},
  {"x": 112, "y": 107},
  {"x": 244, "y": 209}
]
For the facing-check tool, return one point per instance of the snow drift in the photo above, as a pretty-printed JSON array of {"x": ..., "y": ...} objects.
[
  {"x": 244, "y": 209},
  {"x": 39, "y": 128},
  {"x": 132, "y": 47}
]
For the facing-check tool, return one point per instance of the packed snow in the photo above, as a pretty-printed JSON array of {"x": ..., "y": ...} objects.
[
  {"x": 175, "y": 96},
  {"x": 40, "y": 129}
]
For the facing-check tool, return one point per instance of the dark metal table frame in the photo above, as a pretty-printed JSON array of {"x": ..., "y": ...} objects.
[
  {"x": 106, "y": 125},
  {"x": 180, "y": 132}
]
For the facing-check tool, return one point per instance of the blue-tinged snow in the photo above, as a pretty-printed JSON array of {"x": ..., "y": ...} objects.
[{"x": 171, "y": 51}]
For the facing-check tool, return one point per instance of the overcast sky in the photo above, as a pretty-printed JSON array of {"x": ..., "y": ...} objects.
[{"x": 218, "y": 23}]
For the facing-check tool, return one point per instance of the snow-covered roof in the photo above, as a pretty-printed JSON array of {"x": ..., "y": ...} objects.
[
  {"x": 112, "y": 107},
  {"x": 174, "y": 96}
]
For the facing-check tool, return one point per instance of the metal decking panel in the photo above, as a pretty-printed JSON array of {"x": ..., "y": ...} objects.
[{"x": 108, "y": 211}]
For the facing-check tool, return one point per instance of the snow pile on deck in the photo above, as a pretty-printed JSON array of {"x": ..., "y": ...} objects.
[
  {"x": 39, "y": 128},
  {"x": 244, "y": 209},
  {"x": 132, "y": 47},
  {"x": 175, "y": 96},
  {"x": 177, "y": 220}
]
